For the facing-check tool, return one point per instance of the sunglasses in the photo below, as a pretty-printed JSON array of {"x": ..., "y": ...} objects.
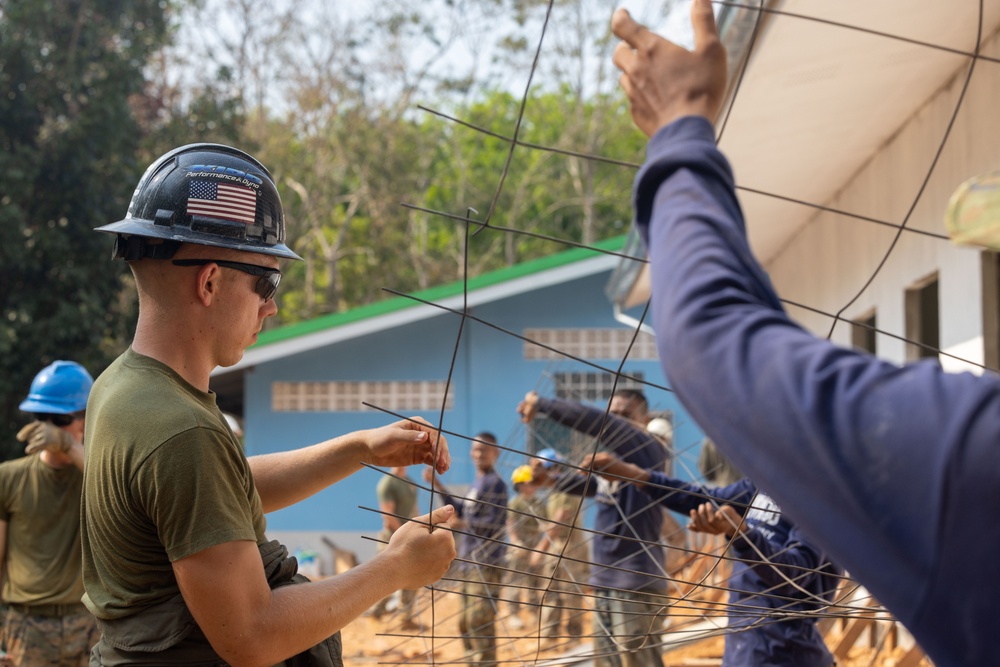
[
  {"x": 61, "y": 420},
  {"x": 266, "y": 286}
]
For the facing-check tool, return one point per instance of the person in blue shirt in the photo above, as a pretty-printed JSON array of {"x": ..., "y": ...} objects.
[
  {"x": 482, "y": 550},
  {"x": 627, "y": 571},
  {"x": 892, "y": 470},
  {"x": 779, "y": 579}
]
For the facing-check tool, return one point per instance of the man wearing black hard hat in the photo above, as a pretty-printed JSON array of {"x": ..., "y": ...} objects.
[{"x": 175, "y": 562}]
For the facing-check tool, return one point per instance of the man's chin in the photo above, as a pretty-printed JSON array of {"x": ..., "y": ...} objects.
[{"x": 226, "y": 363}]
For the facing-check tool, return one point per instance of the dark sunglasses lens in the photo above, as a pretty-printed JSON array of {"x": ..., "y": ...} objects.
[
  {"x": 63, "y": 420},
  {"x": 267, "y": 286}
]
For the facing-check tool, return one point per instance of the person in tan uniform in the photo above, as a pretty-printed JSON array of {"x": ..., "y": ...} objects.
[
  {"x": 564, "y": 559},
  {"x": 524, "y": 530},
  {"x": 45, "y": 622}
]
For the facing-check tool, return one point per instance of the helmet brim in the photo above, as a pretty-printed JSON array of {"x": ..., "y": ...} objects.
[{"x": 131, "y": 227}]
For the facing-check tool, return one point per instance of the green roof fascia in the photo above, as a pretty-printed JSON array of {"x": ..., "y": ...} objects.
[{"x": 394, "y": 304}]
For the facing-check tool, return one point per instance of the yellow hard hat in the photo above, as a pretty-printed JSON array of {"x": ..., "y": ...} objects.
[{"x": 521, "y": 475}]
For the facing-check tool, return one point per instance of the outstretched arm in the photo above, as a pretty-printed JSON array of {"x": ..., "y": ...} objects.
[
  {"x": 878, "y": 463},
  {"x": 625, "y": 438},
  {"x": 285, "y": 478},
  {"x": 672, "y": 493},
  {"x": 792, "y": 567}
]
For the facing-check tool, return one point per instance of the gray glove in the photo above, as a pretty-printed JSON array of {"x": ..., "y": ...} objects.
[{"x": 43, "y": 435}]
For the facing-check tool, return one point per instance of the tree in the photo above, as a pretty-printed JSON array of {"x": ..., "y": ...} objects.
[{"x": 68, "y": 141}]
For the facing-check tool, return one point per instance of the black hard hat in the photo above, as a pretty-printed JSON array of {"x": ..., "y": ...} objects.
[{"x": 208, "y": 194}]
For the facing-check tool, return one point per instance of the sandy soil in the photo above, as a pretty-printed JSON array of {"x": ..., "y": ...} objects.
[{"x": 368, "y": 641}]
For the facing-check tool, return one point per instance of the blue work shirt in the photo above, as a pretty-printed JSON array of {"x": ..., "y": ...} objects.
[
  {"x": 627, "y": 554},
  {"x": 779, "y": 578},
  {"x": 893, "y": 471},
  {"x": 484, "y": 510}
]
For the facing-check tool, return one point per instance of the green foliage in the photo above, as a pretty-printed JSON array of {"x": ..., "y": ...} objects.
[
  {"x": 68, "y": 142},
  {"x": 345, "y": 187},
  {"x": 91, "y": 93}
]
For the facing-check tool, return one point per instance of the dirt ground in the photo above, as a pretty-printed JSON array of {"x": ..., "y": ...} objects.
[{"x": 368, "y": 641}]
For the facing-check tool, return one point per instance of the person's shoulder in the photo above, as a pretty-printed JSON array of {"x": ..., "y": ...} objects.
[
  {"x": 17, "y": 466},
  {"x": 385, "y": 485},
  {"x": 496, "y": 481},
  {"x": 143, "y": 397}
]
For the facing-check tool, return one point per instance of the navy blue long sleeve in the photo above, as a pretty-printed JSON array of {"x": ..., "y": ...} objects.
[
  {"x": 778, "y": 570},
  {"x": 892, "y": 470},
  {"x": 628, "y": 521},
  {"x": 484, "y": 510}
]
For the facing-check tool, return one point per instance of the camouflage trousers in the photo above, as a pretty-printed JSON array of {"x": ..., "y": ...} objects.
[
  {"x": 477, "y": 622},
  {"x": 563, "y": 601},
  {"x": 523, "y": 580},
  {"x": 49, "y": 641}
]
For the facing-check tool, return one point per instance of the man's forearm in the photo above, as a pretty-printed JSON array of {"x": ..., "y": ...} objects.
[
  {"x": 829, "y": 433},
  {"x": 285, "y": 478}
]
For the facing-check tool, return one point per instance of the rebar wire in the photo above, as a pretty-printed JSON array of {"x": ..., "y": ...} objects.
[
  {"x": 856, "y": 28},
  {"x": 520, "y": 117},
  {"x": 447, "y": 386},
  {"x": 707, "y": 608},
  {"x": 569, "y": 525},
  {"x": 804, "y": 571},
  {"x": 837, "y": 317},
  {"x": 838, "y": 609}
]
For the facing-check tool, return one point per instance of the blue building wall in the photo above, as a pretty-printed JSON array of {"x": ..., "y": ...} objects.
[{"x": 490, "y": 378}]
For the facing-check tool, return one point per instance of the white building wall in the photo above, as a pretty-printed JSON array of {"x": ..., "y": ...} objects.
[{"x": 828, "y": 262}]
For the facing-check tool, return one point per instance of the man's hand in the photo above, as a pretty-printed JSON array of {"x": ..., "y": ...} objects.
[
  {"x": 408, "y": 442},
  {"x": 722, "y": 521},
  {"x": 43, "y": 435},
  {"x": 528, "y": 407},
  {"x": 664, "y": 81},
  {"x": 609, "y": 466},
  {"x": 424, "y": 556}
]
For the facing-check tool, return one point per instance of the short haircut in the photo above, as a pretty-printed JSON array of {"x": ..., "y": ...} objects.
[
  {"x": 634, "y": 395},
  {"x": 486, "y": 437}
]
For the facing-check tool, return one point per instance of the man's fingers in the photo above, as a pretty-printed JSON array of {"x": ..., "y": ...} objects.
[
  {"x": 703, "y": 21},
  {"x": 625, "y": 27},
  {"x": 623, "y": 57},
  {"x": 25, "y": 433},
  {"x": 440, "y": 515},
  {"x": 443, "y": 462}
]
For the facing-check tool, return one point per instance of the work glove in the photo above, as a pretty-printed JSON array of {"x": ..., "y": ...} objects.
[{"x": 43, "y": 435}]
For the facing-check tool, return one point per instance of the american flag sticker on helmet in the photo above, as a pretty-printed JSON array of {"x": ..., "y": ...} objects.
[{"x": 222, "y": 200}]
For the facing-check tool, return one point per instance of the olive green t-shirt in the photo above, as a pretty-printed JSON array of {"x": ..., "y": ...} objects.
[
  {"x": 164, "y": 479},
  {"x": 41, "y": 506},
  {"x": 401, "y": 492}
]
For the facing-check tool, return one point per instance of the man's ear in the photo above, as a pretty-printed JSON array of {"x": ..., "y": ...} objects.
[{"x": 207, "y": 284}]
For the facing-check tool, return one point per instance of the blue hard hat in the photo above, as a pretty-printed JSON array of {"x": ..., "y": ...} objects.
[
  {"x": 61, "y": 388},
  {"x": 553, "y": 457}
]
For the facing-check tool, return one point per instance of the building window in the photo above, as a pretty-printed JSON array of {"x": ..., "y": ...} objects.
[
  {"x": 593, "y": 387},
  {"x": 863, "y": 332},
  {"x": 588, "y": 344},
  {"x": 349, "y": 396},
  {"x": 922, "y": 322},
  {"x": 991, "y": 309}
]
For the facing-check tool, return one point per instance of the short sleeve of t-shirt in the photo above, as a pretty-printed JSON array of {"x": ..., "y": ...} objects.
[
  {"x": 401, "y": 493},
  {"x": 197, "y": 490},
  {"x": 8, "y": 483}
]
